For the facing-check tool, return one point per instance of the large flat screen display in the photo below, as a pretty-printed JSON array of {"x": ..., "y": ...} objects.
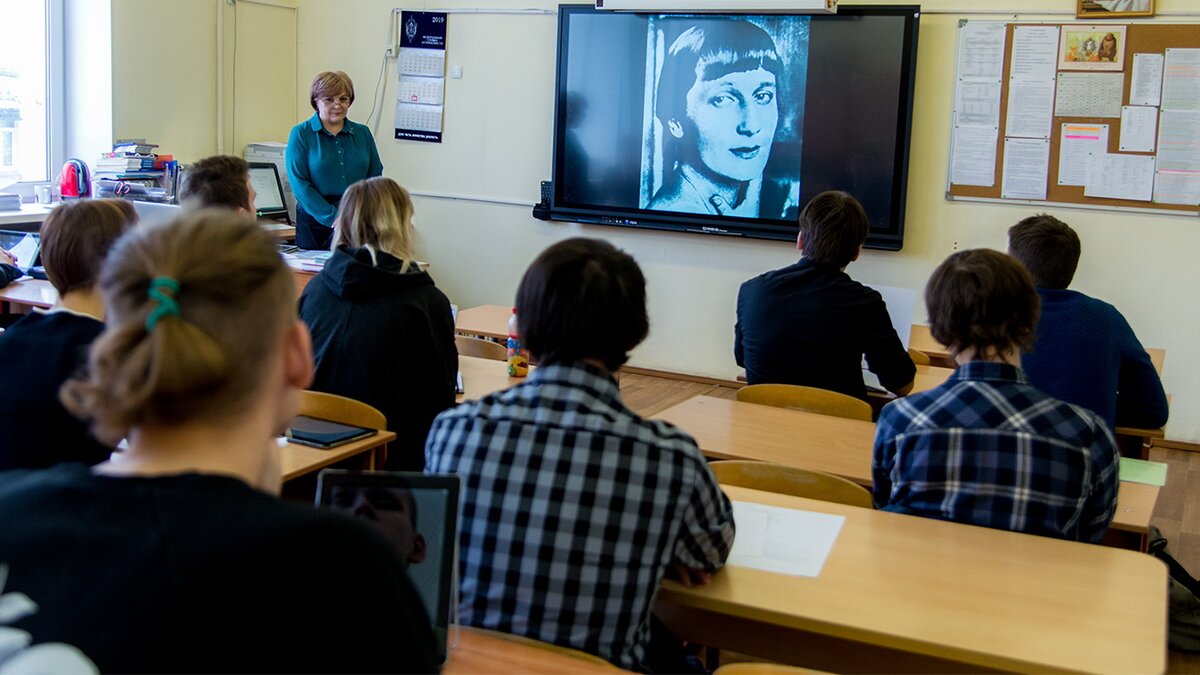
[{"x": 729, "y": 123}]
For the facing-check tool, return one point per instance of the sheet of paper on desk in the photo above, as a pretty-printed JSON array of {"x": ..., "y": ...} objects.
[
  {"x": 784, "y": 541},
  {"x": 1141, "y": 471}
]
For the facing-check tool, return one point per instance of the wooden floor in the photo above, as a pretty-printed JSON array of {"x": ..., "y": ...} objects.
[{"x": 1177, "y": 514}]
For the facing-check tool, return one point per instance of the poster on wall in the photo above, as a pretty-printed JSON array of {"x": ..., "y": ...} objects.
[{"x": 420, "y": 92}]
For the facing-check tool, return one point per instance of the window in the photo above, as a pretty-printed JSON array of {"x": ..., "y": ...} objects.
[{"x": 27, "y": 91}]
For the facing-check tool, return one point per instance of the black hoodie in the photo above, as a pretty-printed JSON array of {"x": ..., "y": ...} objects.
[{"x": 385, "y": 338}]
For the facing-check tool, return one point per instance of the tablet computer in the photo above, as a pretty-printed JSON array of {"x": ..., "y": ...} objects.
[
  {"x": 323, "y": 433},
  {"x": 419, "y": 515}
]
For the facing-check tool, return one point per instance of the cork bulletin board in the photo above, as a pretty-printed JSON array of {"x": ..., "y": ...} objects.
[{"x": 1083, "y": 79}]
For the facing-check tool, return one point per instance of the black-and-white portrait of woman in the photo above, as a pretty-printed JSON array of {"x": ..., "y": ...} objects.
[{"x": 723, "y": 115}]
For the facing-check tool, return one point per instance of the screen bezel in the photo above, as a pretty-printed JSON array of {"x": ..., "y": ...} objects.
[{"x": 754, "y": 228}]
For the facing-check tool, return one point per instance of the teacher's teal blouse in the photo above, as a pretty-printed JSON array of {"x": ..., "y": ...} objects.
[{"x": 321, "y": 165}]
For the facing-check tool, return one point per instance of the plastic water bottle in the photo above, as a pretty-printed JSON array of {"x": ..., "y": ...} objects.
[{"x": 518, "y": 356}]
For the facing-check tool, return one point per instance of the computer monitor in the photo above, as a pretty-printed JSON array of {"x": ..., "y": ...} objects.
[
  {"x": 153, "y": 213},
  {"x": 268, "y": 198}
]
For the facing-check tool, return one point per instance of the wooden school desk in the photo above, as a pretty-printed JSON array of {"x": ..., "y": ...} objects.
[
  {"x": 903, "y": 594},
  {"x": 483, "y": 376},
  {"x": 727, "y": 429},
  {"x": 921, "y": 340},
  {"x": 486, "y": 321},
  {"x": 299, "y": 460},
  {"x": 40, "y": 293},
  {"x": 29, "y": 292},
  {"x": 479, "y": 651}
]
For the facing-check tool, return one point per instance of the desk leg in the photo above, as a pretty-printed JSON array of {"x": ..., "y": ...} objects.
[{"x": 1136, "y": 447}]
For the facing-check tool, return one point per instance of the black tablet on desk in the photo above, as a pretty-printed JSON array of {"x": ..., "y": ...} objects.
[{"x": 323, "y": 433}]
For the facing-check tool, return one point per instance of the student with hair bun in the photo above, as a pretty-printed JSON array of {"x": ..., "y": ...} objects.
[
  {"x": 382, "y": 332},
  {"x": 175, "y": 554},
  {"x": 44, "y": 348}
]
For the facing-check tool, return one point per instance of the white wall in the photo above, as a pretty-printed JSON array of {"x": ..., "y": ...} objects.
[
  {"x": 87, "y": 78},
  {"x": 498, "y": 143},
  {"x": 164, "y": 74}
]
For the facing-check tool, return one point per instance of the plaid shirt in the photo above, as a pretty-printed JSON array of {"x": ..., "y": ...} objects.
[
  {"x": 987, "y": 448},
  {"x": 573, "y": 508}
]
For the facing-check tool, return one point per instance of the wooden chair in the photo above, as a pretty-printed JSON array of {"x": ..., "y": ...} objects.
[
  {"x": 808, "y": 399},
  {"x": 919, "y": 358},
  {"x": 545, "y": 646},
  {"x": 484, "y": 349},
  {"x": 792, "y": 481},
  {"x": 336, "y": 408}
]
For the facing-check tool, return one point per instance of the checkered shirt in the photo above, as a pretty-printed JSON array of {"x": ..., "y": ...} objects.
[
  {"x": 987, "y": 448},
  {"x": 573, "y": 508}
]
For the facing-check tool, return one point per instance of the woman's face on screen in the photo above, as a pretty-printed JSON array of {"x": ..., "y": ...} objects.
[{"x": 735, "y": 118}]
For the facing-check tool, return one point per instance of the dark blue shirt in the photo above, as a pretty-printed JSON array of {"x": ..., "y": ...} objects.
[
  {"x": 987, "y": 448},
  {"x": 811, "y": 324},
  {"x": 40, "y": 352},
  {"x": 1087, "y": 354},
  {"x": 321, "y": 165}
]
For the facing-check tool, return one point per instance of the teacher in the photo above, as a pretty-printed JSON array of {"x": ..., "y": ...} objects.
[{"x": 325, "y": 154}]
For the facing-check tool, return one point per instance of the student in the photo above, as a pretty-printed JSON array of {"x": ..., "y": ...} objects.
[
  {"x": 574, "y": 508},
  {"x": 175, "y": 555},
  {"x": 9, "y": 272},
  {"x": 45, "y": 348},
  {"x": 1085, "y": 352},
  {"x": 986, "y": 447},
  {"x": 382, "y": 332},
  {"x": 218, "y": 181},
  {"x": 810, "y": 323}
]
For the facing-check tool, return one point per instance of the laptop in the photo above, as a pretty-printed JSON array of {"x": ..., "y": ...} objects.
[
  {"x": 408, "y": 506},
  {"x": 154, "y": 213},
  {"x": 269, "y": 203},
  {"x": 24, "y": 246}
]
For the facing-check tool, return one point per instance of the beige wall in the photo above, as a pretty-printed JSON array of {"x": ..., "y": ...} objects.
[
  {"x": 164, "y": 74},
  {"x": 498, "y": 144}
]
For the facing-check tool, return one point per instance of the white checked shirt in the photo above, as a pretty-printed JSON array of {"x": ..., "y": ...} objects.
[{"x": 573, "y": 508}]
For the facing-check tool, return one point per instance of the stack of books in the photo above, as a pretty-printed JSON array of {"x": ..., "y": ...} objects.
[
  {"x": 133, "y": 170},
  {"x": 10, "y": 201}
]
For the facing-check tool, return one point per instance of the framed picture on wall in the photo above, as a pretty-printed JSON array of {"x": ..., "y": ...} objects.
[
  {"x": 1091, "y": 47},
  {"x": 1113, "y": 9}
]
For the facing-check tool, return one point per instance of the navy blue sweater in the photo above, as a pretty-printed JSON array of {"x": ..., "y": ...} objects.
[{"x": 1087, "y": 354}]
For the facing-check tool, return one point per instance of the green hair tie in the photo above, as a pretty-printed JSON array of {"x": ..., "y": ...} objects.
[{"x": 162, "y": 291}]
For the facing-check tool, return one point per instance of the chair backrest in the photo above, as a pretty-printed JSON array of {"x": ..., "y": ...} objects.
[
  {"x": 790, "y": 480},
  {"x": 341, "y": 409},
  {"x": 808, "y": 399},
  {"x": 918, "y": 357},
  {"x": 484, "y": 349}
]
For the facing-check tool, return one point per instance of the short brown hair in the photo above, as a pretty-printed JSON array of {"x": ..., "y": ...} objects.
[
  {"x": 833, "y": 226},
  {"x": 376, "y": 212},
  {"x": 983, "y": 300},
  {"x": 219, "y": 180},
  {"x": 236, "y": 298},
  {"x": 76, "y": 236},
  {"x": 582, "y": 298},
  {"x": 330, "y": 83},
  {"x": 1048, "y": 248}
]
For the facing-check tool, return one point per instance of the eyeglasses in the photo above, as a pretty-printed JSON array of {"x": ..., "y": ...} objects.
[{"x": 330, "y": 100}]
